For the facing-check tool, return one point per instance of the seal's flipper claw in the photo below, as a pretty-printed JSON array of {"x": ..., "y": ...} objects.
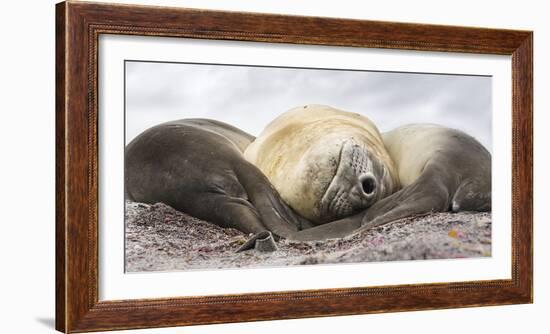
[{"x": 263, "y": 242}]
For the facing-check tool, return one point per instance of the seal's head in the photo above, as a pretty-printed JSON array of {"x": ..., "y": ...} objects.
[
  {"x": 361, "y": 178},
  {"x": 326, "y": 163}
]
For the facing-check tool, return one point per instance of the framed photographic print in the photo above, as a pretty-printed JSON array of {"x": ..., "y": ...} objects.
[{"x": 224, "y": 166}]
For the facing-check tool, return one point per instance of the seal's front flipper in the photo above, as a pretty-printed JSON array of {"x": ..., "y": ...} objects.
[
  {"x": 275, "y": 214},
  {"x": 228, "y": 212},
  {"x": 263, "y": 242},
  {"x": 427, "y": 194}
]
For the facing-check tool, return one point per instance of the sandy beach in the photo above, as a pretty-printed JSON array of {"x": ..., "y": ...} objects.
[{"x": 159, "y": 238}]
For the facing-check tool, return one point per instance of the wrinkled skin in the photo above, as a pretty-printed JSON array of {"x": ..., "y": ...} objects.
[{"x": 360, "y": 181}]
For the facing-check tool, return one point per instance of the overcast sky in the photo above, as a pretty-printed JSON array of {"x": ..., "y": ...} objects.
[{"x": 250, "y": 97}]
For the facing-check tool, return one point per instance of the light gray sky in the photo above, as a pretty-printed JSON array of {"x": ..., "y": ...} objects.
[{"x": 250, "y": 97}]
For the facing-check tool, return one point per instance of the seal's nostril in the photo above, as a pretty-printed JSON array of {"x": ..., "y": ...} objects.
[{"x": 369, "y": 185}]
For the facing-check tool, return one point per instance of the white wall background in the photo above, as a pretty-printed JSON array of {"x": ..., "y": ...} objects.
[{"x": 27, "y": 165}]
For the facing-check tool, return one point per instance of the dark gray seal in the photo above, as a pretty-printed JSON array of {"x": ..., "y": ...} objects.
[{"x": 197, "y": 167}]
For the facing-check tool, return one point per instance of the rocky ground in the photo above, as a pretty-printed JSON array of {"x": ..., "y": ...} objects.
[{"x": 159, "y": 238}]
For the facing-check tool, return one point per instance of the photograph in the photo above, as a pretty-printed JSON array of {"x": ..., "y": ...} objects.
[
  {"x": 243, "y": 166},
  {"x": 256, "y": 165}
]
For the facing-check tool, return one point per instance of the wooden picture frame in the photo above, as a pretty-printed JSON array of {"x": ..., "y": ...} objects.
[{"x": 78, "y": 27}]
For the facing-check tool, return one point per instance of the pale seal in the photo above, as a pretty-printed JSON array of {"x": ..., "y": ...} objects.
[
  {"x": 325, "y": 163},
  {"x": 440, "y": 169}
]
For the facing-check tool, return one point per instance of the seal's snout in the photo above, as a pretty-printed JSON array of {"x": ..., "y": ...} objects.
[{"x": 368, "y": 184}]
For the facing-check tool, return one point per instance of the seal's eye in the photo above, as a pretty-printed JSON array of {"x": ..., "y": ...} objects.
[{"x": 369, "y": 185}]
